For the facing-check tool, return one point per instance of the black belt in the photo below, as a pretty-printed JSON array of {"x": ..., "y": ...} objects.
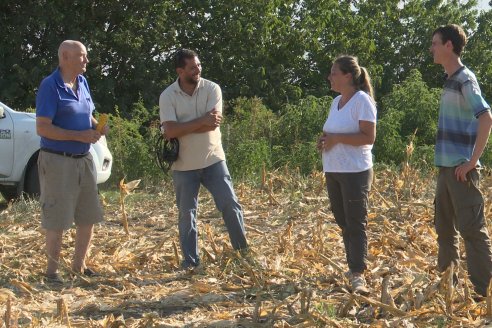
[{"x": 64, "y": 153}]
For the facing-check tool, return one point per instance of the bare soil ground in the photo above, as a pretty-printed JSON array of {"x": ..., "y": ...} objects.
[{"x": 292, "y": 278}]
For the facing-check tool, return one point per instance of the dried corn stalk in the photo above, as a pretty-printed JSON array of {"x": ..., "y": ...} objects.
[{"x": 125, "y": 190}]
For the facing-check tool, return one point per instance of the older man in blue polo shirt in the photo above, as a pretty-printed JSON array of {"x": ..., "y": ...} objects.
[{"x": 67, "y": 174}]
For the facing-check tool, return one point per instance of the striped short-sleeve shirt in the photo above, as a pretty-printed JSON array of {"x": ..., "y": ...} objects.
[{"x": 460, "y": 106}]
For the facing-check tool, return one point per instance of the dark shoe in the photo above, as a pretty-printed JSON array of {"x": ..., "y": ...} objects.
[
  {"x": 480, "y": 294},
  {"x": 359, "y": 284},
  {"x": 249, "y": 257},
  {"x": 477, "y": 298},
  {"x": 244, "y": 252},
  {"x": 199, "y": 269},
  {"x": 88, "y": 272},
  {"x": 53, "y": 278}
]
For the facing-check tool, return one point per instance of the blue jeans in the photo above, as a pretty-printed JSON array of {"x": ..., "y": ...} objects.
[{"x": 217, "y": 180}]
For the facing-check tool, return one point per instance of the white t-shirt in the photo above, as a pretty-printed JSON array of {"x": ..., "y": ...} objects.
[
  {"x": 346, "y": 158},
  {"x": 196, "y": 150}
]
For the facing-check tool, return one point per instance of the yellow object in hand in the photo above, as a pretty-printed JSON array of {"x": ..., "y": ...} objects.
[{"x": 103, "y": 120}]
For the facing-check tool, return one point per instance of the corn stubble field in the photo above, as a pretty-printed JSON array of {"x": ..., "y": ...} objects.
[{"x": 292, "y": 278}]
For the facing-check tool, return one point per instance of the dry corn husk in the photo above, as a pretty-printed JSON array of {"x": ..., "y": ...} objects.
[{"x": 293, "y": 276}]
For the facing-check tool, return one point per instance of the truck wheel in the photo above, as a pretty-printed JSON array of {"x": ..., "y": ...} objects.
[
  {"x": 31, "y": 181},
  {"x": 8, "y": 192}
]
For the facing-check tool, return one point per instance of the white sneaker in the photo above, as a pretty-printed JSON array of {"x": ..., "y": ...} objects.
[{"x": 359, "y": 284}]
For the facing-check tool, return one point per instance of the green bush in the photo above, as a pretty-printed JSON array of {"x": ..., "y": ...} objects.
[
  {"x": 389, "y": 147},
  {"x": 131, "y": 143},
  {"x": 423, "y": 157},
  {"x": 299, "y": 126},
  {"x": 246, "y": 135},
  {"x": 248, "y": 158},
  {"x": 410, "y": 108},
  {"x": 303, "y": 122},
  {"x": 486, "y": 158},
  {"x": 254, "y": 136},
  {"x": 302, "y": 156}
]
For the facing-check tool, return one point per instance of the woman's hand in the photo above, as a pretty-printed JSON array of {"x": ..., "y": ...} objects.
[{"x": 326, "y": 141}]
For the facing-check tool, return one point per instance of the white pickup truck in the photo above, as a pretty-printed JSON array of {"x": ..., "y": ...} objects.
[{"x": 19, "y": 148}]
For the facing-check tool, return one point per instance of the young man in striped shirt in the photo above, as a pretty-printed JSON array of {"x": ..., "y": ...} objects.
[{"x": 463, "y": 130}]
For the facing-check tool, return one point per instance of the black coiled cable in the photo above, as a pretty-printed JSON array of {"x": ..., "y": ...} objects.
[{"x": 166, "y": 152}]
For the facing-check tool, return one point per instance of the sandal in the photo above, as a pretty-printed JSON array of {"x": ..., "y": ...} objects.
[
  {"x": 53, "y": 278},
  {"x": 88, "y": 272}
]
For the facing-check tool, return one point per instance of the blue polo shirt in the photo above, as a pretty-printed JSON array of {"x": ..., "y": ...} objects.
[{"x": 67, "y": 109}]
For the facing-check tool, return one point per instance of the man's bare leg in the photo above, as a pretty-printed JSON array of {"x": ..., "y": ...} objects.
[
  {"x": 82, "y": 242},
  {"x": 53, "y": 250}
]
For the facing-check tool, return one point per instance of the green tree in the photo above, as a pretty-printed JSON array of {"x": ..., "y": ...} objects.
[
  {"x": 126, "y": 41},
  {"x": 411, "y": 107},
  {"x": 478, "y": 53},
  {"x": 278, "y": 50},
  {"x": 401, "y": 34},
  {"x": 252, "y": 48}
]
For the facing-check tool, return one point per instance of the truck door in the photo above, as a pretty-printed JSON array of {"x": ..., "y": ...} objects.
[{"x": 6, "y": 142}]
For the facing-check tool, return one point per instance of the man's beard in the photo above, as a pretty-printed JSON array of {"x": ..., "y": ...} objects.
[{"x": 191, "y": 80}]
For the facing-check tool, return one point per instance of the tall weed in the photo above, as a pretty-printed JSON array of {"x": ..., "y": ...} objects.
[
  {"x": 247, "y": 136},
  {"x": 131, "y": 142},
  {"x": 255, "y": 137}
]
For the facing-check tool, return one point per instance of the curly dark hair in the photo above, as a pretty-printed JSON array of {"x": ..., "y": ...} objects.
[{"x": 181, "y": 56}]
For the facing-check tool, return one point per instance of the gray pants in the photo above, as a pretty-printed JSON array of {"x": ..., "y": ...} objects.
[
  {"x": 349, "y": 196},
  {"x": 460, "y": 208}
]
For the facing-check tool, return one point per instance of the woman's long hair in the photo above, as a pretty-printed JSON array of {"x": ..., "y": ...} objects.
[{"x": 360, "y": 76}]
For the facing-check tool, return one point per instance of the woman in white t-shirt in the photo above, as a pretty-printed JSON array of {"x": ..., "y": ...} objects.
[{"x": 346, "y": 143}]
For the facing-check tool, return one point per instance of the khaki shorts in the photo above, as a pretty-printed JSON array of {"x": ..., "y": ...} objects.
[{"x": 68, "y": 191}]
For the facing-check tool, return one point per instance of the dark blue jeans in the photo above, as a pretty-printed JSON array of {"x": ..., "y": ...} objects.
[
  {"x": 349, "y": 196},
  {"x": 217, "y": 180}
]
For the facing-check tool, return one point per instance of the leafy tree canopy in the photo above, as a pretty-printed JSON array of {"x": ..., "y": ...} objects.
[{"x": 278, "y": 50}]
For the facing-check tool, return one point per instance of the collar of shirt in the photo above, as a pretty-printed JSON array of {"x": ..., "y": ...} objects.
[
  {"x": 59, "y": 79},
  {"x": 446, "y": 76},
  {"x": 178, "y": 89}
]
